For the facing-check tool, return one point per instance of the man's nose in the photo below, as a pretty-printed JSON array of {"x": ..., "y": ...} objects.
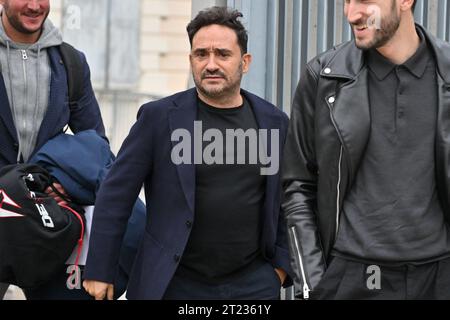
[
  {"x": 353, "y": 11},
  {"x": 212, "y": 64},
  {"x": 33, "y": 5}
]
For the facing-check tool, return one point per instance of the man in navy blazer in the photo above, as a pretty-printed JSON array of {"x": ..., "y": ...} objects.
[{"x": 209, "y": 160}]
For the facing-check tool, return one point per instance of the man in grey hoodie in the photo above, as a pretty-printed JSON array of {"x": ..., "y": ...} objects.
[
  {"x": 23, "y": 52},
  {"x": 33, "y": 85}
]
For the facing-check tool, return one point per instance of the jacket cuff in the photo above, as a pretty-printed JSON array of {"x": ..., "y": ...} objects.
[
  {"x": 281, "y": 260},
  {"x": 103, "y": 258}
]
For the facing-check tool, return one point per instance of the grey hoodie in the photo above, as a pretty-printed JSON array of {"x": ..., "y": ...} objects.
[{"x": 26, "y": 72}]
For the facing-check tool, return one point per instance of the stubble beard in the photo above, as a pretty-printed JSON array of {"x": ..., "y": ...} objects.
[
  {"x": 388, "y": 28},
  {"x": 17, "y": 25},
  {"x": 222, "y": 92}
]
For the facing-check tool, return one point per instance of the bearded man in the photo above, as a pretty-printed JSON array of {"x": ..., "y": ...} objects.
[
  {"x": 366, "y": 173},
  {"x": 214, "y": 228},
  {"x": 34, "y": 104}
]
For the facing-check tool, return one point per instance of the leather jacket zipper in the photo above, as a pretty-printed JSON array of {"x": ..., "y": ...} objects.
[
  {"x": 330, "y": 101},
  {"x": 338, "y": 191},
  {"x": 306, "y": 288}
]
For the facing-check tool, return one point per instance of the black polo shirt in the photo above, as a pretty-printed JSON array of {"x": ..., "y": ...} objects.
[{"x": 392, "y": 214}]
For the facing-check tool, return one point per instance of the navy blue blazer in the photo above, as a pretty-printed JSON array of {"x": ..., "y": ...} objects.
[
  {"x": 145, "y": 158},
  {"x": 85, "y": 115}
]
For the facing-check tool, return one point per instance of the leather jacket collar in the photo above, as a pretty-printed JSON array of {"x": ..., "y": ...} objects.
[{"x": 349, "y": 60}]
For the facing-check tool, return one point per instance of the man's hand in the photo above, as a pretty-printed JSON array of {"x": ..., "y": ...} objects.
[
  {"x": 99, "y": 290},
  {"x": 281, "y": 274},
  {"x": 55, "y": 196}
]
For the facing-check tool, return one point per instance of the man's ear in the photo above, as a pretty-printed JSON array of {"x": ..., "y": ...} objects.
[
  {"x": 406, "y": 5},
  {"x": 246, "y": 61}
]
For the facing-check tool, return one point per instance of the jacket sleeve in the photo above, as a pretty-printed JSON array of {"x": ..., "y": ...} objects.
[
  {"x": 300, "y": 176},
  {"x": 116, "y": 198},
  {"x": 86, "y": 114}
]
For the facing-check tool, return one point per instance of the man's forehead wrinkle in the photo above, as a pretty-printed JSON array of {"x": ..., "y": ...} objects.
[{"x": 211, "y": 48}]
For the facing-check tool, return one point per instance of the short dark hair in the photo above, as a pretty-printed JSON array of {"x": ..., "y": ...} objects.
[
  {"x": 414, "y": 5},
  {"x": 222, "y": 16}
]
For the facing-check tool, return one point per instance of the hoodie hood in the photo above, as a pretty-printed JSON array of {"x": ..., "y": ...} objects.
[{"x": 26, "y": 72}]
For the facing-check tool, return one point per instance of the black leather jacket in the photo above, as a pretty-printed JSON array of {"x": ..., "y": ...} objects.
[{"x": 328, "y": 133}]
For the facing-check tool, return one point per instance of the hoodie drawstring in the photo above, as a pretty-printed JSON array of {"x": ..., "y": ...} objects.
[{"x": 13, "y": 106}]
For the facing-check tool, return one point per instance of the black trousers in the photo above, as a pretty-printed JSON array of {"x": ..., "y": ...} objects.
[
  {"x": 261, "y": 283},
  {"x": 349, "y": 280}
]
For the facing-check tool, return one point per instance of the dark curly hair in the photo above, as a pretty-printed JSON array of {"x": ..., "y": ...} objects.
[{"x": 222, "y": 16}]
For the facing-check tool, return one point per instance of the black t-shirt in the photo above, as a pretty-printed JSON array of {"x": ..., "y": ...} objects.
[{"x": 229, "y": 197}]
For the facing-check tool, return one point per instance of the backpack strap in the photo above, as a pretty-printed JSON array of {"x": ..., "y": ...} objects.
[{"x": 74, "y": 69}]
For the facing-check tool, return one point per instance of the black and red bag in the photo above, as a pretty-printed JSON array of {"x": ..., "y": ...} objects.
[{"x": 36, "y": 234}]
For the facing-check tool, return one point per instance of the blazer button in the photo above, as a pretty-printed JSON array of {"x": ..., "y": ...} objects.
[
  {"x": 176, "y": 258},
  {"x": 189, "y": 224},
  {"x": 16, "y": 146}
]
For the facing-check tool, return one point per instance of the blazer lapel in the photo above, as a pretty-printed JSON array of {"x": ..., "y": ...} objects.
[
  {"x": 268, "y": 120},
  {"x": 5, "y": 110},
  {"x": 183, "y": 116},
  {"x": 57, "y": 98}
]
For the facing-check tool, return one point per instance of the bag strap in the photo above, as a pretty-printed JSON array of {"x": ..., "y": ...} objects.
[{"x": 74, "y": 69}]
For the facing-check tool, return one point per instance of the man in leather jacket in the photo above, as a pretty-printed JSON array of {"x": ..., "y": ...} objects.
[{"x": 366, "y": 171}]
